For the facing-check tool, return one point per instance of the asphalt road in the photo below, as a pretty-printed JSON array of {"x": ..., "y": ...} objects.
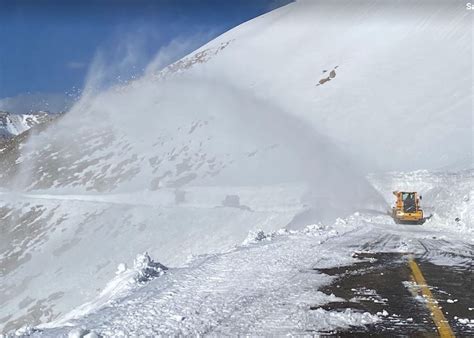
[{"x": 383, "y": 283}]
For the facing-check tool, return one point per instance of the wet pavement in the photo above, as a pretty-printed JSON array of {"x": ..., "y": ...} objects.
[{"x": 381, "y": 283}]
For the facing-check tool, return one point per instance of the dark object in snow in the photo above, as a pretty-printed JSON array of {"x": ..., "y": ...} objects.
[
  {"x": 332, "y": 75},
  {"x": 260, "y": 236},
  {"x": 233, "y": 201},
  {"x": 82, "y": 332},
  {"x": 457, "y": 219},
  {"x": 179, "y": 196},
  {"x": 147, "y": 268},
  {"x": 323, "y": 81}
]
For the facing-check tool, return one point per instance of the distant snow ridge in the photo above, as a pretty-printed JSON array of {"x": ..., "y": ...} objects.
[{"x": 15, "y": 124}]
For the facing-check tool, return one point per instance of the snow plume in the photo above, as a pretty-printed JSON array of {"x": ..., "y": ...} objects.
[
  {"x": 129, "y": 59},
  {"x": 176, "y": 49},
  {"x": 155, "y": 133},
  {"x": 27, "y": 103},
  {"x": 147, "y": 166},
  {"x": 121, "y": 152}
]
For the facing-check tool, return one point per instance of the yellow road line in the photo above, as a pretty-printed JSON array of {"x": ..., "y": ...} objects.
[{"x": 436, "y": 314}]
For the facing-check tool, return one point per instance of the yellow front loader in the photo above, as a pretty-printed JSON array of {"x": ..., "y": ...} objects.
[{"x": 407, "y": 208}]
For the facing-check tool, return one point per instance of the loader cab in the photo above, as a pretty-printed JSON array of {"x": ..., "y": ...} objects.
[
  {"x": 409, "y": 201},
  {"x": 407, "y": 207}
]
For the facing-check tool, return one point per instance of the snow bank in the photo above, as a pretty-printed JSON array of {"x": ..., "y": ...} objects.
[
  {"x": 330, "y": 320},
  {"x": 124, "y": 283},
  {"x": 245, "y": 290}
]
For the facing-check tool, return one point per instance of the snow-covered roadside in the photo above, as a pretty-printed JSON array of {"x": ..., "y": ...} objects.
[
  {"x": 123, "y": 284},
  {"x": 268, "y": 285}
]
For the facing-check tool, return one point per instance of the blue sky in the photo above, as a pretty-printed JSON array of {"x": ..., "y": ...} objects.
[{"x": 46, "y": 45}]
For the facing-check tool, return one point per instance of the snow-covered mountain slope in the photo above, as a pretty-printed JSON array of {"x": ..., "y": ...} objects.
[
  {"x": 237, "y": 136},
  {"x": 401, "y": 97},
  {"x": 59, "y": 251},
  {"x": 15, "y": 124}
]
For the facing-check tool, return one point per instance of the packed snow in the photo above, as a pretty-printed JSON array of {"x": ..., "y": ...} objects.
[{"x": 263, "y": 287}]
